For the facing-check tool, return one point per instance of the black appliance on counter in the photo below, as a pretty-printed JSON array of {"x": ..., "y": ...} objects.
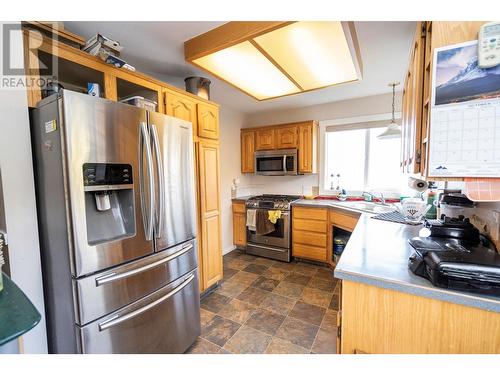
[{"x": 453, "y": 257}]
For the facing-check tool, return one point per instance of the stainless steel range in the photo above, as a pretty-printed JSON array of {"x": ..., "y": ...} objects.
[{"x": 277, "y": 244}]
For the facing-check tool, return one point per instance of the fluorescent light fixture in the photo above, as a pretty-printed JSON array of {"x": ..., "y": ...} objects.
[
  {"x": 315, "y": 54},
  {"x": 248, "y": 69},
  {"x": 273, "y": 59}
]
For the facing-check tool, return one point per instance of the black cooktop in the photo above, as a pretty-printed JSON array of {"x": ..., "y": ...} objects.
[{"x": 277, "y": 197}]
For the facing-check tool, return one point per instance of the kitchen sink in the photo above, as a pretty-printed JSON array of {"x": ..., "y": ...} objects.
[{"x": 369, "y": 207}]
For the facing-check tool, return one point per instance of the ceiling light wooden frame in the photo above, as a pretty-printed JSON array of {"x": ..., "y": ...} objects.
[{"x": 236, "y": 32}]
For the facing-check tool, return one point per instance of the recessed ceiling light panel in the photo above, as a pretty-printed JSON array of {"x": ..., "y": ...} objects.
[
  {"x": 272, "y": 59},
  {"x": 315, "y": 54},
  {"x": 244, "y": 66}
]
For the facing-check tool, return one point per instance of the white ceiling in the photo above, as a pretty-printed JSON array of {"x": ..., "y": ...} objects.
[{"x": 157, "y": 48}]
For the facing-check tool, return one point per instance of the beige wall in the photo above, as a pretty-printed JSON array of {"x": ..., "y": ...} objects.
[
  {"x": 368, "y": 105},
  {"x": 19, "y": 202},
  {"x": 230, "y": 122}
]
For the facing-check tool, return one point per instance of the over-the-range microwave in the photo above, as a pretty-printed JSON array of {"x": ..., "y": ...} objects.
[{"x": 276, "y": 162}]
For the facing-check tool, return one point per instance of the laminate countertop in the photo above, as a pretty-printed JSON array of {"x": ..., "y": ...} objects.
[
  {"x": 241, "y": 199},
  {"x": 377, "y": 254}
]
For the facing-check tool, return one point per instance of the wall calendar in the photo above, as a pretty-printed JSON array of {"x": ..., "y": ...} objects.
[{"x": 465, "y": 115}]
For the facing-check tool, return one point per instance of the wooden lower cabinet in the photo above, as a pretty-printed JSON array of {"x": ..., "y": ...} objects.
[
  {"x": 384, "y": 321},
  {"x": 210, "y": 216},
  {"x": 239, "y": 225},
  {"x": 312, "y": 230},
  {"x": 343, "y": 219},
  {"x": 310, "y": 233}
]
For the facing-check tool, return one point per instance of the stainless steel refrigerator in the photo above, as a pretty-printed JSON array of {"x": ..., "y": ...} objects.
[{"x": 117, "y": 221}]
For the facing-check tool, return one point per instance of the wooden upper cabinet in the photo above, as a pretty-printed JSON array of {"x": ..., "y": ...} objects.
[
  {"x": 412, "y": 104},
  {"x": 307, "y": 147},
  {"x": 286, "y": 136},
  {"x": 208, "y": 121},
  {"x": 181, "y": 107},
  {"x": 247, "y": 151},
  {"x": 300, "y": 135},
  {"x": 417, "y": 93},
  {"x": 264, "y": 139}
]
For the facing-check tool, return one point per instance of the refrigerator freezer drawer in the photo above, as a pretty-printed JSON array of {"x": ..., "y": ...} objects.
[
  {"x": 105, "y": 292},
  {"x": 166, "y": 321}
]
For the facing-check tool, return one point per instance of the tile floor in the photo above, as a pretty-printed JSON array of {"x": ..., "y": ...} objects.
[{"x": 266, "y": 306}]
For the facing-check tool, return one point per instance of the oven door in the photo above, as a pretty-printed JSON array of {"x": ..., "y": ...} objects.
[
  {"x": 280, "y": 237},
  {"x": 276, "y": 163}
]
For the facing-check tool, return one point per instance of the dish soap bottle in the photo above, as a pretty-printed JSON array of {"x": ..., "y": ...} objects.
[{"x": 431, "y": 200}]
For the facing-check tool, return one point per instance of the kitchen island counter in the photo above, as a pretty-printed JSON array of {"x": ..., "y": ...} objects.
[
  {"x": 386, "y": 309},
  {"x": 377, "y": 254}
]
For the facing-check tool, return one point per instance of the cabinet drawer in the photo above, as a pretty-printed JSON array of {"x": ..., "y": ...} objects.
[
  {"x": 309, "y": 252},
  {"x": 309, "y": 225},
  {"x": 309, "y": 238},
  {"x": 344, "y": 221},
  {"x": 239, "y": 207},
  {"x": 310, "y": 213}
]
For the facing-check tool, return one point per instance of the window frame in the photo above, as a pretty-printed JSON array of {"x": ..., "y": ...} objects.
[{"x": 359, "y": 122}]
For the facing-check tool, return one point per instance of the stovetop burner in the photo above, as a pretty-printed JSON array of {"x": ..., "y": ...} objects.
[
  {"x": 272, "y": 201},
  {"x": 276, "y": 197}
]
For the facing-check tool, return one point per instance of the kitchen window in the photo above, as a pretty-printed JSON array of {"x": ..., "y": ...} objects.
[{"x": 364, "y": 162}]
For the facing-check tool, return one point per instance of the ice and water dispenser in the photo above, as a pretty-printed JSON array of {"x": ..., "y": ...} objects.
[{"x": 109, "y": 202}]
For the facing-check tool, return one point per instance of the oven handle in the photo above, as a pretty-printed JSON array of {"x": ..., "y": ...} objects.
[
  {"x": 117, "y": 319},
  {"x": 283, "y": 213},
  {"x": 268, "y": 248},
  {"x": 284, "y": 164}
]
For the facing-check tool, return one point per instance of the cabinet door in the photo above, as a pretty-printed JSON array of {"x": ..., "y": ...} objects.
[
  {"x": 210, "y": 236},
  {"x": 286, "y": 137},
  {"x": 181, "y": 107},
  {"x": 412, "y": 104},
  {"x": 306, "y": 148},
  {"x": 265, "y": 140},
  {"x": 239, "y": 229},
  {"x": 208, "y": 121},
  {"x": 247, "y": 152}
]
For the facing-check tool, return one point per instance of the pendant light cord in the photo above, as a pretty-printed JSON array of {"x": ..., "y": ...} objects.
[{"x": 393, "y": 96}]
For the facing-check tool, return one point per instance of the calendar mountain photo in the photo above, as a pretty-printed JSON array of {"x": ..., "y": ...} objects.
[{"x": 459, "y": 79}]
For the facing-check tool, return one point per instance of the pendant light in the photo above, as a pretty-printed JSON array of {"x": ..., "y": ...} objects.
[{"x": 393, "y": 130}]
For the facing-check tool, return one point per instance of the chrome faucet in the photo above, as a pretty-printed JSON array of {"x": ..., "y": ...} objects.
[{"x": 382, "y": 198}]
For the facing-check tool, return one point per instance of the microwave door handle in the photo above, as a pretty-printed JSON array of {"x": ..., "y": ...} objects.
[
  {"x": 284, "y": 164},
  {"x": 161, "y": 185},
  {"x": 147, "y": 214}
]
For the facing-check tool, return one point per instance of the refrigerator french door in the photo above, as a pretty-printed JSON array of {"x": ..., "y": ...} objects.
[
  {"x": 171, "y": 139},
  {"x": 115, "y": 197}
]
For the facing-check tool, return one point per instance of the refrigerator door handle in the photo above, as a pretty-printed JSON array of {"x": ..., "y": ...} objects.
[
  {"x": 161, "y": 184},
  {"x": 147, "y": 215},
  {"x": 111, "y": 277},
  {"x": 117, "y": 319}
]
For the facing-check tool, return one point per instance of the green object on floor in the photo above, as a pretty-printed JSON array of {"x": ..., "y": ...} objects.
[{"x": 17, "y": 313}]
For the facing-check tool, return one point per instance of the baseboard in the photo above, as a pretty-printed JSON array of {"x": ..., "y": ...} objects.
[{"x": 228, "y": 250}]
